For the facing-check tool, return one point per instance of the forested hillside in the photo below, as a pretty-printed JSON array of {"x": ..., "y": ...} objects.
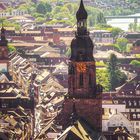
[{"x": 63, "y": 11}]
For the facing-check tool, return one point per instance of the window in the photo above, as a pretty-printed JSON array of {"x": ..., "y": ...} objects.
[
  {"x": 137, "y": 123},
  {"x": 129, "y": 103},
  {"x": 81, "y": 80},
  {"x": 82, "y": 24},
  {"x": 134, "y": 116},
  {"x": 124, "y": 102},
  {"x": 4, "y": 104},
  {"x": 137, "y": 130},
  {"x": 135, "y": 103},
  {"x": 121, "y": 123},
  {"x": 90, "y": 80}
]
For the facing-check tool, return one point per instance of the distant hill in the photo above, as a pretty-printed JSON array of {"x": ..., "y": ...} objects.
[{"x": 63, "y": 11}]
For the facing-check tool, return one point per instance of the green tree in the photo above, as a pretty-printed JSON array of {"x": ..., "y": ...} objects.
[
  {"x": 2, "y": 20},
  {"x": 7, "y": 23},
  {"x": 134, "y": 27},
  {"x": 40, "y": 19},
  {"x": 68, "y": 52},
  {"x": 115, "y": 31},
  {"x": 41, "y": 8},
  {"x": 135, "y": 63},
  {"x": 130, "y": 27},
  {"x": 48, "y": 7},
  {"x": 100, "y": 18},
  {"x": 116, "y": 77},
  {"x": 102, "y": 78},
  {"x": 122, "y": 44},
  {"x": 11, "y": 48}
]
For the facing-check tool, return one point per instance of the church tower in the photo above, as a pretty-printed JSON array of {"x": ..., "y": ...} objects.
[
  {"x": 4, "y": 60},
  {"x": 83, "y": 92},
  {"x": 82, "y": 78}
]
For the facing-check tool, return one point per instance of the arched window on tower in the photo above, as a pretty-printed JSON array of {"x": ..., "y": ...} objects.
[
  {"x": 90, "y": 80},
  {"x": 79, "y": 24},
  {"x": 81, "y": 80},
  {"x": 82, "y": 23}
]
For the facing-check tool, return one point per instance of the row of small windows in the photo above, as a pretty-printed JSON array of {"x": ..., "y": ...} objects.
[
  {"x": 81, "y": 80},
  {"x": 131, "y": 92},
  {"x": 13, "y": 13},
  {"x": 136, "y": 116},
  {"x": 66, "y": 33},
  {"x": 52, "y": 60},
  {"x": 132, "y": 103},
  {"x": 3, "y": 86},
  {"x": 101, "y": 35},
  {"x": 102, "y": 40}
]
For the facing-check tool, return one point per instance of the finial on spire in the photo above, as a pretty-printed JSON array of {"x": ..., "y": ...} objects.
[{"x": 81, "y": 13}]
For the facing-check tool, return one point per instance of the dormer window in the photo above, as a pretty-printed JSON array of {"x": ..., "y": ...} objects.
[
  {"x": 129, "y": 103},
  {"x": 134, "y": 116},
  {"x": 135, "y": 103},
  {"x": 124, "y": 102}
]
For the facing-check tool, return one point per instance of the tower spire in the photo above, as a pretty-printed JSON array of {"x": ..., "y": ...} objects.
[
  {"x": 81, "y": 17},
  {"x": 81, "y": 13}
]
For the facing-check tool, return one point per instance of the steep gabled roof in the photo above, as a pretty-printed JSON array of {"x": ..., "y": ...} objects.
[
  {"x": 129, "y": 88},
  {"x": 3, "y": 78},
  {"x": 80, "y": 131}
]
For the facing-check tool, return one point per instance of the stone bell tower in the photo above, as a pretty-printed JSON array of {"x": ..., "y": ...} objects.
[{"x": 83, "y": 91}]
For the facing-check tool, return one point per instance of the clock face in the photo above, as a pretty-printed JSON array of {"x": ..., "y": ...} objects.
[{"x": 81, "y": 67}]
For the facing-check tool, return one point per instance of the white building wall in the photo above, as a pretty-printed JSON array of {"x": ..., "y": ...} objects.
[
  {"x": 136, "y": 126},
  {"x": 13, "y": 13},
  {"x": 118, "y": 107},
  {"x": 120, "y": 120}
]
